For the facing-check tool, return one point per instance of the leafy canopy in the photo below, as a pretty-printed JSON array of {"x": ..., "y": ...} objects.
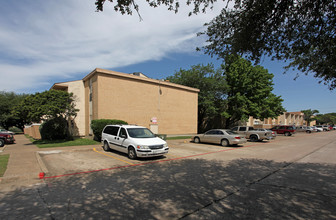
[
  {"x": 301, "y": 32},
  {"x": 308, "y": 114},
  {"x": 8, "y": 101},
  {"x": 127, "y": 6},
  {"x": 249, "y": 92},
  {"x": 232, "y": 93},
  {"x": 212, "y": 88},
  {"x": 329, "y": 118},
  {"x": 46, "y": 105}
]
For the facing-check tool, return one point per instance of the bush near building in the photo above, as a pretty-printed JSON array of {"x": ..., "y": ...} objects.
[{"x": 99, "y": 124}]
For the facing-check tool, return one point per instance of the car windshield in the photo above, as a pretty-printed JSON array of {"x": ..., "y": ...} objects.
[{"x": 140, "y": 133}]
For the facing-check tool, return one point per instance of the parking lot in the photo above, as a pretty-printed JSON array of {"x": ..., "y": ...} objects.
[
  {"x": 287, "y": 178},
  {"x": 58, "y": 162}
]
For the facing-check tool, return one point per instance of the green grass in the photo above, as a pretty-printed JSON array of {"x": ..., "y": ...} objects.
[
  {"x": 3, "y": 164},
  {"x": 178, "y": 137},
  {"x": 64, "y": 143}
]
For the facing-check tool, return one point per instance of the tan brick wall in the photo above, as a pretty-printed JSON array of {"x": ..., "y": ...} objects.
[
  {"x": 77, "y": 88},
  {"x": 137, "y": 100},
  {"x": 33, "y": 131}
]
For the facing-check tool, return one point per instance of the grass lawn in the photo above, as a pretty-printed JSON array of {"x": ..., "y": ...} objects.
[
  {"x": 178, "y": 137},
  {"x": 3, "y": 163},
  {"x": 63, "y": 143}
]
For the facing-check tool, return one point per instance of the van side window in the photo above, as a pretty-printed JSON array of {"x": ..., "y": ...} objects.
[
  {"x": 122, "y": 132},
  {"x": 114, "y": 130},
  {"x": 107, "y": 130}
]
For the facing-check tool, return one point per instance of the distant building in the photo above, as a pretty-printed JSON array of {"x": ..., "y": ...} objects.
[
  {"x": 287, "y": 118},
  {"x": 161, "y": 106}
]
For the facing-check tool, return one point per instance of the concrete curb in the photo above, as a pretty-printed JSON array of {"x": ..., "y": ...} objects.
[
  {"x": 3, "y": 149},
  {"x": 41, "y": 163}
]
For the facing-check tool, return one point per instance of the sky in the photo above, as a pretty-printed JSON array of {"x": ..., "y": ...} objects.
[{"x": 45, "y": 42}]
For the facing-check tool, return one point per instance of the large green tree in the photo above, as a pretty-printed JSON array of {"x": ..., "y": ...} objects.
[
  {"x": 231, "y": 93},
  {"x": 8, "y": 101},
  {"x": 212, "y": 88},
  {"x": 249, "y": 92},
  {"x": 46, "y": 105},
  {"x": 329, "y": 118},
  {"x": 308, "y": 115},
  {"x": 299, "y": 31}
]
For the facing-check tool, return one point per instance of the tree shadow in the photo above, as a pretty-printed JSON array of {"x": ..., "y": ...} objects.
[{"x": 192, "y": 189}]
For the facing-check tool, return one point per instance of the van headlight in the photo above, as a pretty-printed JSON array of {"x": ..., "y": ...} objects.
[{"x": 143, "y": 147}]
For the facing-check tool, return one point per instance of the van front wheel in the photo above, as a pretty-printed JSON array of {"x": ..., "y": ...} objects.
[{"x": 131, "y": 153}]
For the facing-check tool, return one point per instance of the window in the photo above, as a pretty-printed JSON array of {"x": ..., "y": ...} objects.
[
  {"x": 235, "y": 129},
  {"x": 122, "y": 133},
  {"x": 140, "y": 133},
  {"x": 112, "y": 130},
  {"x": 242, "y": 129},
  {"x": 211, "y": 132}
]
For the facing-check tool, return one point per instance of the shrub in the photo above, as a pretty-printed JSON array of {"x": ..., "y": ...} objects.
[
  {"x": 16, "y": 130},
  {"x": 55, "y": 129},
  {"x": 99, "y": 124}
]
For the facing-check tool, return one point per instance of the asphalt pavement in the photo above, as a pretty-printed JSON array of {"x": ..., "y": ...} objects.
[{"x": 243, "y": 187}]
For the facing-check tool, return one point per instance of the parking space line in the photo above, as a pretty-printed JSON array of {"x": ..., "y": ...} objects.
[{"x": 112, "y": 157}]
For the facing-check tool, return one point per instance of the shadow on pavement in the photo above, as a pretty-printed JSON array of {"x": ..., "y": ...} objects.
[{"x": 191, "y": 189}]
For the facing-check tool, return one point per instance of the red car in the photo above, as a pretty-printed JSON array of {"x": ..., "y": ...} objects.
[
  {"x": 286, "y": 130},
  {"x": 6, "y": 138}
]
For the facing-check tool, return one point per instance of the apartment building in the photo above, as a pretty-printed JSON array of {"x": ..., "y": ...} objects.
[{"x": 163, "y": 107}]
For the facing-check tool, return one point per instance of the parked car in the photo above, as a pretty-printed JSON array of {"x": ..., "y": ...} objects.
[
  {"x": 252, "y": 134},
  {"x": 334, "y": 128},
  {"x": 323, "y": 127},
  {"x": 274, "y": 134},
  {"x": 5, "y": 131},
  {"x": 286, "y": 130},
  {"x": 134, "y": 140},
  {"x": 310, "y": 129},
  {"x": 6, "y": 138},
  {"x": 306, "y": 129},
  {"x": 318, "y": 129},
  {"x": 223, "y": 137}
]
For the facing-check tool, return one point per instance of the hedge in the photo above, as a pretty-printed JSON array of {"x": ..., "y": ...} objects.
[
  {"x": 99, "y": 124},
  {"x": 55, "y": 129}
]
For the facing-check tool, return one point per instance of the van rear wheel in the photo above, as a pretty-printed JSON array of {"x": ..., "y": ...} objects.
[{"x": 106, "y": 146}]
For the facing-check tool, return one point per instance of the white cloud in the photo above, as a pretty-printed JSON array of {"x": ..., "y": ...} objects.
[{"x": 41, "y": 40}]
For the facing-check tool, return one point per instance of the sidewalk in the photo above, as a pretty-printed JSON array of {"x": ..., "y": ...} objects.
[{"x": 23, "y": 168}]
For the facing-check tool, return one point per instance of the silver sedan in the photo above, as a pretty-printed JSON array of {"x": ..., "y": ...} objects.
[{"x": 220, "y": 136}]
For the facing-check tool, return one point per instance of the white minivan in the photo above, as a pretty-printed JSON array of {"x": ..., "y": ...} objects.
[{"x": 134, "y": 140}]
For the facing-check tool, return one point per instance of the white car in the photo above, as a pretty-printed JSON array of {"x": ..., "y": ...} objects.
[
  {"x": 5, "y": 131},
  {"x": 318, "y": 129},
  {"x": 134, "y": 140}
]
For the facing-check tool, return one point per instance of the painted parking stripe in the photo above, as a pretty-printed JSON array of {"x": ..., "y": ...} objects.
[{"x": 113, "y": 157}]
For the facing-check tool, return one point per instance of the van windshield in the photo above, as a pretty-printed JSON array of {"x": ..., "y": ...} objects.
[{"x": 140, "y": 133}]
